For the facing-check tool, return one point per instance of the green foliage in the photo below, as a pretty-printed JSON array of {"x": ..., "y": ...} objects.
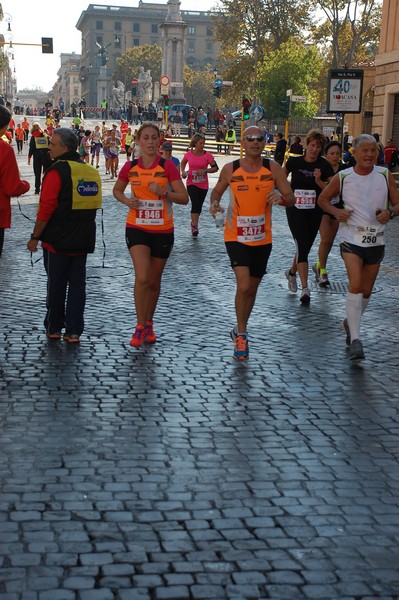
[
  {"x": 293, "y": 66},
  {"x": 349, "y": 30},
  {"x": 248, "y": 31},
  {"x": 198, "y": 86},
  {"x": 147, "y": 56}
]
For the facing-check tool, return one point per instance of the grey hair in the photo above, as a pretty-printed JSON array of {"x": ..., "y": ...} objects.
[
  {"x": 364, "y": 138},
  {"x": 67, "y": 138}
]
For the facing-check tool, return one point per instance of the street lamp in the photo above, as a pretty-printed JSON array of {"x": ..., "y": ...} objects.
[{"x": 8, "y": 19}]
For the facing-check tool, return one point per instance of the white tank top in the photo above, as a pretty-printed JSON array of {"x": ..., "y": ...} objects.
[{"x": 363, "y": 194}]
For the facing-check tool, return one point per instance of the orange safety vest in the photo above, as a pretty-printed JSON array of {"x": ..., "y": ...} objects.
[{"x": 248, "y": 218}]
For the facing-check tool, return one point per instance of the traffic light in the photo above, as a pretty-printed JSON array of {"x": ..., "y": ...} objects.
[
  {"x": 246, "y": 105},
  {"x": 47, "y": 45},
  {"x": 165, "y": 102},
  {"x": 285, "y": 108},
  {"x": 217, "y": 91}
]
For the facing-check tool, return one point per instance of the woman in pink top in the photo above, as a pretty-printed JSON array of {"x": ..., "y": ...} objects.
[{"x": 200, "y": 163}]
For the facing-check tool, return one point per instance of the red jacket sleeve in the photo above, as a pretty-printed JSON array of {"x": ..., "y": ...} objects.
[
  {"x": 51, "y": 188},
  {"x": 11, "y": 183}
]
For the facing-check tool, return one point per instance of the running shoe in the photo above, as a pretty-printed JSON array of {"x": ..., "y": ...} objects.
[
  {"x": 356, "y": 350},
  {"x": 72, "y": 338},
  {"x": 233, "y": 334},
  {"x": 54, "y": 336},
  {"x": 292, "y": 284},
  {"x": 345, "y": 325},
  {"x": 194, "y": 230},
  {"x": 323, "y": 280},
  {"x": 138, "y": 336},
  {"x": 241, "y": 351},
  {"x": 305, "y": 296},
  {"x": 316, "y": 272},
  {"x": 149, "y": 335}
]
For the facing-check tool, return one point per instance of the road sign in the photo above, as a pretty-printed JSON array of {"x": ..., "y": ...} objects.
[
  {"x": 176, "y": 84},
  {"x": 256, "y": 112},
  {"x": 227, "y": 84},
  {"x": 218, "y": 82},
  {"x": 289, "y": 93},
  {"x": 298, "y": 98},
  {"x": 338, "y": 117},
  {"x": 164, "y": 89},
  {"x": 135, "y": 81},
  {"x": 164, "y": 80},
  {"x": 345, "y": 88}
]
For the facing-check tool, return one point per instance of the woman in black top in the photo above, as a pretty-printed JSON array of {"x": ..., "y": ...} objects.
[
  {"x": 309, "y": 175},
  {"x": 329, "y": 224}
]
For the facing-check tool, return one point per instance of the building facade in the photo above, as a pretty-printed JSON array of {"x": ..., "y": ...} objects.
[
  {"x": 68, "y": 85},
  {"x": 386, "y": 92},
  {"x": 112, "y": 29}
]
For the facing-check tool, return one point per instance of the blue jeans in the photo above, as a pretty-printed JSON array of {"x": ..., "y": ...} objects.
[{"x": 66, "y": 292}]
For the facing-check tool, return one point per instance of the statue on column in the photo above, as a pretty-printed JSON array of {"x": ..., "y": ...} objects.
[
  {"x": 118, "y": 95},
  {"x": 144, "y": 86}
]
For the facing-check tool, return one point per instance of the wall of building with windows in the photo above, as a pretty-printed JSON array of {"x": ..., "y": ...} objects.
[{"x": 115, "y": 28}]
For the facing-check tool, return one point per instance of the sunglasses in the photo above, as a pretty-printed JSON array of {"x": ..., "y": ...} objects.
[{"x": 253, "y": 138}]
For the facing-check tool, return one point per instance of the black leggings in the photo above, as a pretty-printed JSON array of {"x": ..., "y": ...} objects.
[
  {"x": 197, "y": 197},
  {"x": 304, "y": 225}
]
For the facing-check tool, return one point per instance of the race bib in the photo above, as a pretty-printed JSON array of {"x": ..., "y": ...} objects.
[
  {"x": 251, "y": 229},
  {"x": 150, "y": 212},
  {"x": 305, "y": 198},
  {"x": 369, "y": 236},
  {"x": 197, "y": 178}
]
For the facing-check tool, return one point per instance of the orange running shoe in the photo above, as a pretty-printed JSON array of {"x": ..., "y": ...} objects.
[
  {"x": 138, "y": 336},
  {"x": 149, "y": 335}
]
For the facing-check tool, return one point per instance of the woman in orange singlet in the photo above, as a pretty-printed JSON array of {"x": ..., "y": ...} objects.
[{"x": 155, "y": 184}]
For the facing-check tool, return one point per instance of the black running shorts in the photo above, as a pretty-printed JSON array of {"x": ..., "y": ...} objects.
[
  {"x": 372, "y": 255},
  {"x": 254, "y": 257},
  {"x": 161, "y": 244}
]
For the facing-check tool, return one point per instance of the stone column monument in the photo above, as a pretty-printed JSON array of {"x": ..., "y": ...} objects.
[{"x": 173, "y": 44}]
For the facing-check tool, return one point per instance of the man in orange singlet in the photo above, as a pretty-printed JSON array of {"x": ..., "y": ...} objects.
[{"x": 247, "y": 231}]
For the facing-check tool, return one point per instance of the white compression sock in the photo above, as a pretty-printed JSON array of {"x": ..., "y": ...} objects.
[
  {"x": 354, "y": 313},
  {"x": 365, "y": 302}
]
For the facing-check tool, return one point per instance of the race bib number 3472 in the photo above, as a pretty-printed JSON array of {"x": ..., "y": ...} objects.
[{"x": 251, "y": 229}]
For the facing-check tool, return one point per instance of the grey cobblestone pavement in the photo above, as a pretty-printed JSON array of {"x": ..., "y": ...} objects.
[{"x": 174, "y": 473}]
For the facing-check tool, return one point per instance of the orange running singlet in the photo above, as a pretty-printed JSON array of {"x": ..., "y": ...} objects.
[
  {"x": 153, "y": 214},
  {"x": 249, "y": 215}
]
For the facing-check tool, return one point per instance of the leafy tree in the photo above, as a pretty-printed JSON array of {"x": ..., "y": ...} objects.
[
  {"x": 295, "y": 66},
  {"x": 248, "y": 30},
  {"x": 147, "y": 56},
  {"x": 349, "y": 31},
  {"x": 198, "y": 86}
]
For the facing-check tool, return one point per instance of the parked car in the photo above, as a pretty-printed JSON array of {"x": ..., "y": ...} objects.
[
  {"x": 183, "y": 108},
  {"x": 236, "y": 116}
]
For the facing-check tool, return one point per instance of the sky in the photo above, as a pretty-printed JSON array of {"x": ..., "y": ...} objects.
[{"x": 30, "y": 21}]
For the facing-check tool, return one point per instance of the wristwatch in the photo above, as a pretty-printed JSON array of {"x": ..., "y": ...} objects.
[
  {"x": 34, "y": 237},
  {"x": 392, "y": 214}
]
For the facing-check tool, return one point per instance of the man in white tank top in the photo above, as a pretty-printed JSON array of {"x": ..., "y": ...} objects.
[{"x": 370, "y": 199}]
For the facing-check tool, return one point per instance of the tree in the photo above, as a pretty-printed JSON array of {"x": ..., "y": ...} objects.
[
  {"x": 350, "y": 30},
  {"x": 247, "y": 31},
  {"x": 198, "y": 86},
  {"x": 147, "y": 56},
  {"x": 295, "y": 66}
]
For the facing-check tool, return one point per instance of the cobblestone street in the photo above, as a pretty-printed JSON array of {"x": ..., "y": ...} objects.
[{"x": 173, "y": 472}]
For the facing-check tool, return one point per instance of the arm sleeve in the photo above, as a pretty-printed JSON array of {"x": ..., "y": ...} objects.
[
  {"x": 124, "y": 172},
  {"x": 51, "y": 189},
  {"x": 171, "y": 171}
]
